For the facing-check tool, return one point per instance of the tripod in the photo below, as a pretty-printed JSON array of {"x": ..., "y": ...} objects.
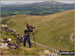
[{"x": 33, "y": 39}]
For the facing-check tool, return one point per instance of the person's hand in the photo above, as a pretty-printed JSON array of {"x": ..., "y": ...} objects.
[{"x": 13, "y": 47}]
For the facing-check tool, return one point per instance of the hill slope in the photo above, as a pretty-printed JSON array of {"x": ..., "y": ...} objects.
[{"x": 53, "y": 30}]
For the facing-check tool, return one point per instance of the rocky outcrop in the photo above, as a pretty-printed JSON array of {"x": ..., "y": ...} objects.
[{"x": 72, "y": 37}]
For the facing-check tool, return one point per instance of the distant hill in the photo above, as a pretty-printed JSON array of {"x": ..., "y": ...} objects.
[
  {"x": 36, "y": 8},
  {"x": 53, "y": 30}
]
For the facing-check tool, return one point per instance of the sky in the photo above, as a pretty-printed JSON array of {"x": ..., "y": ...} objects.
[{"x": 32, "y": 1}]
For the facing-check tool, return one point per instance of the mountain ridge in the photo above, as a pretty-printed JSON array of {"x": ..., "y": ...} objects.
[{"x": 36, "y": 8}]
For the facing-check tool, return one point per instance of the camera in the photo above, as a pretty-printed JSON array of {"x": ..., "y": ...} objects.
[{"x": 32, "y": 27}]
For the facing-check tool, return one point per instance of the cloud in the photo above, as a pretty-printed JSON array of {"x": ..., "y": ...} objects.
[
  {"x": 23, "y": 0},
  {"x": 66, "y": 1},
  {"x": 20, "y": 1},
  {"x": 35, "y": 0},
  {"x": 32, "y": 1}
]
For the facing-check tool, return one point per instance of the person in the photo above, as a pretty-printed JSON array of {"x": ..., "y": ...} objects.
[
  {"x": 6, "y": 39},
  {"x": 12, "y": 45},
  {"x": 19, "y": 39},
  {"x": 28, "y": 29}
]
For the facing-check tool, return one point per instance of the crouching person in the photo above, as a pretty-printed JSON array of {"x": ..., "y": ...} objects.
[
  {"x": 28, "y": 29},
  {"x": 12, "y": 45},
  {"x": 19, "y": 39}
]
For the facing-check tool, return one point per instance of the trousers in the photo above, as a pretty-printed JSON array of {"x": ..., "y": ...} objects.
[{"x": 27, "y": 39}]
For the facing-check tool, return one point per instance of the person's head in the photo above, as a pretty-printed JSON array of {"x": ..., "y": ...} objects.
[
  {"x": 9, "y": 40},
  {"x": 18, "y": 33},
  {"x": 27, "y": 25},
  {"x": 5, "y": 38}
]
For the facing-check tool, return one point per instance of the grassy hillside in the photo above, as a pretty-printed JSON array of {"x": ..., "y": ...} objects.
[
  {"x": 53, "y": 30},
  {"x": 21, "y": 50}
]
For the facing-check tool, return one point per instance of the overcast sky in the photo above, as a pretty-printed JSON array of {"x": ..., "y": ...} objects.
[{"x": 32, "y": 1}]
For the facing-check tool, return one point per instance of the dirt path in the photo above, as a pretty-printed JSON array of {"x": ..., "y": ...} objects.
[{"x": 56, "y": 51}]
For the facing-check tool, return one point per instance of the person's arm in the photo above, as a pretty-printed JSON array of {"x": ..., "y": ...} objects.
[
  {"x": 25, "y": 30},
  {"x": 30, "y": 30}
]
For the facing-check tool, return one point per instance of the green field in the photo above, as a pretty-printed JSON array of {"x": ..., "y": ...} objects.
[{"x": 53, "y": 30}]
